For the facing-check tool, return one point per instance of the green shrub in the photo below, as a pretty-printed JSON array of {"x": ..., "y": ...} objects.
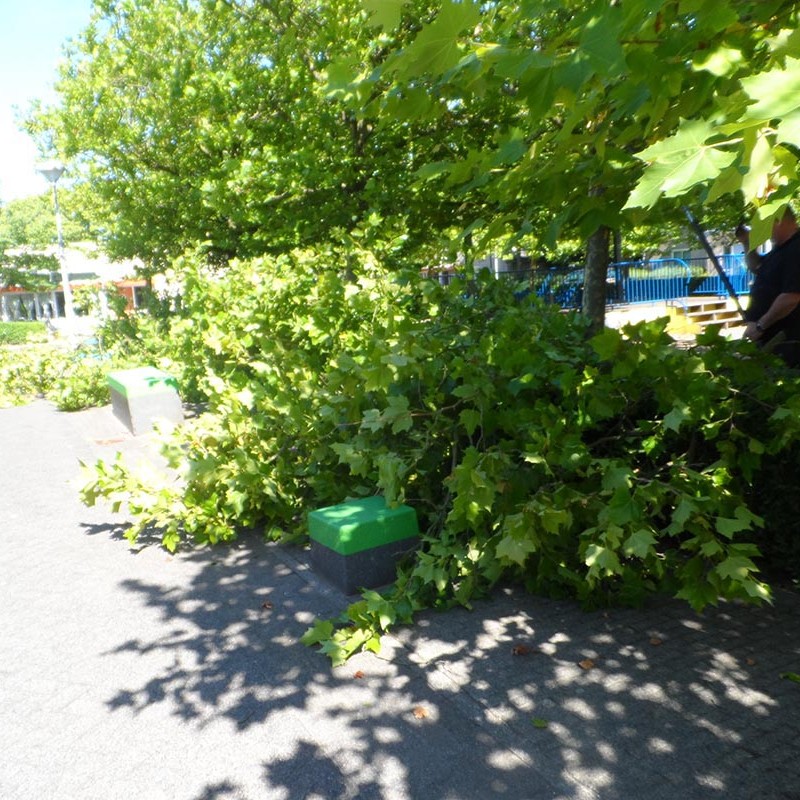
[
  {"x": 76, "y": 378},
  {"x": 167, "y": 342},
  {"x": 21, "y": 332},
  {"x": 774, "y": 496},
  {"x": 25, "y": 372},
  {"x": 72, "y": 379},
  {"x": 82, "y": 384},
  {"x": 602, "y": 469}
]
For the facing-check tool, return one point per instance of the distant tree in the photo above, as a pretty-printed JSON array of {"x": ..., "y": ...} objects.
[
  {"x": 28, "y": 226},
  {"x": 30, "y": 222},
  {"x": 223, "y": 125}
]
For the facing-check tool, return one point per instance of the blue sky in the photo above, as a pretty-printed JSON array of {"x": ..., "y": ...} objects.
[{"x": 32, "y": 36}]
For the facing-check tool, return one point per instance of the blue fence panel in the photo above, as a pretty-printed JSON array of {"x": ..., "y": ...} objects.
[
  {"x": 628, "y": 282},
  {"x": 671, "y": 278},
  {"x": 651, "y": 281},
  {"x": 706, "y": 281}
]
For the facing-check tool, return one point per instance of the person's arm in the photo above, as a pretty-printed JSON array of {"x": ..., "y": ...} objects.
[{"x": 781, "y": 307}]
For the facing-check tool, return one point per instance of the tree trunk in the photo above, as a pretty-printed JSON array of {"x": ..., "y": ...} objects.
[{"x": 594, "y": 278}]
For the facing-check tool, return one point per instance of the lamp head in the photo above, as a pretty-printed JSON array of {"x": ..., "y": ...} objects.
[{"x": 52, "y": 170}]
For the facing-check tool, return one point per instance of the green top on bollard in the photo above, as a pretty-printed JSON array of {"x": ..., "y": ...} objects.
[
  {"x": 141, "y": 381},
  {"x": 363, "y": 524}
]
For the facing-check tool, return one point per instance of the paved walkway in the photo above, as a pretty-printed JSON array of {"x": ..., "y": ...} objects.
[{"x": 138, "y": 675}]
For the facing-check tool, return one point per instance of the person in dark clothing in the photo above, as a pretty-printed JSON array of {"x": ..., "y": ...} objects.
[{"x": 773, "y": 314}]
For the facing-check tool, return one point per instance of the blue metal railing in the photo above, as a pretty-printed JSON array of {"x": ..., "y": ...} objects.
[
  {"x": 629, "y": 282},
  {"x": 650, "y": 281}
]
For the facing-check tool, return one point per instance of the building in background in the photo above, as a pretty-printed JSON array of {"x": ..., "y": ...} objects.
[{"x": 43, "y": 296}]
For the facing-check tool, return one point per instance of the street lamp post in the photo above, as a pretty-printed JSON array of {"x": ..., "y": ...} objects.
[{"x": 52, "y": 171}]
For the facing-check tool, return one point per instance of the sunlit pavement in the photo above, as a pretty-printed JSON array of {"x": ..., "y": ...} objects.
[{"x": 135, "y": 674}]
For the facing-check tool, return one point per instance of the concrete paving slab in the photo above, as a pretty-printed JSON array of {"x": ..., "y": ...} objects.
[{"x": 137, "y": 674}]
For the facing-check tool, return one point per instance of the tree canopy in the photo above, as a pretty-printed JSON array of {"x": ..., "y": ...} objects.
[
  {"x": 699, "y": 92},
  {"x": 212, "y": 124},
  {"x": 28, "y": 227},
  {"x": 30, "y": 221},
  {"x": 245, "y": 128}
]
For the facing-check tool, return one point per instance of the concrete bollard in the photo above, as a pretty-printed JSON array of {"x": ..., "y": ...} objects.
[
  {"x": 142, "y": 396},
  {"x": 356, "y": 544}
]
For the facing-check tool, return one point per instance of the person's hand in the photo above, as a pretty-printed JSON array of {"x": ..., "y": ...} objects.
[{"x": 752, "y": 332}]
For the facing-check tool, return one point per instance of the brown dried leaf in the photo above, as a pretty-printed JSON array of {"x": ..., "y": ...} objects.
[
  {"x": 587, "y": 663},
  {"x": 267, "y": 604},
  {"x": 420, "y": 712},
  {"x": 751, "y": 662},
  {"x": 358, "y": 674},
  {"x": 522, "y": 650},
  {"x": 655, "y": 641}
]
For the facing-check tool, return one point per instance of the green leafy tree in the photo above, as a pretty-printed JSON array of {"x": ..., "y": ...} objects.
[
  {"x": 536, "y": 447},
  {"x": 220, "y": 125},
  {"x": 27, "y": 227},
  {"x": 30, "y": 222},
  {"x": 596, "y": 85}
]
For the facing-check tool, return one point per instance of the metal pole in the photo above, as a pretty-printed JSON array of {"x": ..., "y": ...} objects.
[
  {"x": 701, "y": 235},
  {"x": 69, "y": 309}
]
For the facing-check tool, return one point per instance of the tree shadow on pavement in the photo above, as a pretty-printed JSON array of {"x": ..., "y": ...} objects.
[{"x": 522, "y": 697}]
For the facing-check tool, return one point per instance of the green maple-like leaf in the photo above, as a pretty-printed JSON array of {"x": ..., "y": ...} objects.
[
  {"x": 601, "y": 559},
  {"x": 737, "y": 568},
  {"x": 436, "y": 48},
  {"x": 617, "y": 477},
  {"x": 743, "y": 520},
  {"x": 775, "y": 92},
  {"x": 675, "y": 418},
  {"x": 600, "y": 42},
  {"x": 319, "y": 632},
  {"x": 623, "y": 508},
  {"x": 719, "y": 62},
  {"x": 762, "y": 161},
  {"x": 680, "y": 162},
  {"x": 384, "y": 13},
  {"x": 514, "y": 549},
  {"x": 608, "y": 343},
  {"x": 788, "y": 129},
  {"x": 640, "y": 543}
]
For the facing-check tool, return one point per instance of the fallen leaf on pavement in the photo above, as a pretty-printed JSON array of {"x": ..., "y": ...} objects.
[
  {"x": 655, "y": 641},
  {"x": 538, "y": 722},
  {"x": 522, "y": 650},
  {"x": 267, "y": 605},
  {"x": 791, "y": 676},
  {"x": 358, "y": 674},
  {"x": 420, "y": 712},
  {"x": 587, "y": 663},
  {"x": 751, "y": 662}
]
